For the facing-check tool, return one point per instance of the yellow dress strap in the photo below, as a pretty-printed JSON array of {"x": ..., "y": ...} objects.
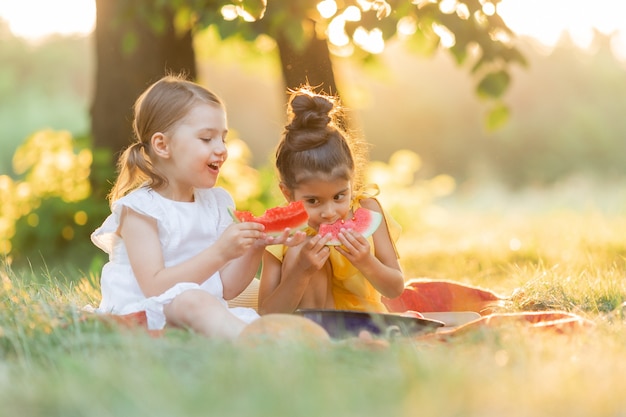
[
  {"x": 367, "y": 191},
  {"x": 371, "y": 191}
]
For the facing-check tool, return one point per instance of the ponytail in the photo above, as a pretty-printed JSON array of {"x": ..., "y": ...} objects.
[{"x": 134, "y": 169}]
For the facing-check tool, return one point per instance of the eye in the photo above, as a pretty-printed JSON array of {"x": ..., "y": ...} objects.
[
  {"x": 340, "y": 196},
  {"x": 311, "y": 201}
]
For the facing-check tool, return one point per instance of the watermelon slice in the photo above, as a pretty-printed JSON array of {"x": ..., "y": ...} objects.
[
  {"x": 364, "y": 221},
  {"x": 276, "y": 219}
]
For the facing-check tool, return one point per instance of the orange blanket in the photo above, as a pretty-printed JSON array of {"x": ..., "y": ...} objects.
[
  {"x": 425, "y": 295},
  {"x": 132, "y": 321}
]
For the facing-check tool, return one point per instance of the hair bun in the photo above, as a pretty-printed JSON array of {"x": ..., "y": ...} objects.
[{"x": 310, "y": 112}]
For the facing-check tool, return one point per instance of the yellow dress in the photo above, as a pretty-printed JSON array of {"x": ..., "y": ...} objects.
[{"x": 351, "y": 290}]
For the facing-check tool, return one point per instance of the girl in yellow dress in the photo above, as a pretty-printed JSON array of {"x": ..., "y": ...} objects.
[{"x": 316, "y": 162}]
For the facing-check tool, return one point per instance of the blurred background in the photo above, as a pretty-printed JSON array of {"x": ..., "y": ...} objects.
[{"x": 564, "y": 119}]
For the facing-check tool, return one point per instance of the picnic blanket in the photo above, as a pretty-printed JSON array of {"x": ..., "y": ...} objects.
[
  {"x": 427, "y": 295},
  {"x": 131, "y": 321}
]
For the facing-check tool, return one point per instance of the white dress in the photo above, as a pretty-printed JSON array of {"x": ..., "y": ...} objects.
[{"x": 185, "y": 229}]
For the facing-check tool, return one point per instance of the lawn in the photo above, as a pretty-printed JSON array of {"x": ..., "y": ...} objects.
[{"x": 540, "y": 249}]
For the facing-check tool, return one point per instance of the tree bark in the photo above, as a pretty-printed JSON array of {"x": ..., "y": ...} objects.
[
  {"x": 311, "y": 65},
  {"x": 122, "y": 75}
]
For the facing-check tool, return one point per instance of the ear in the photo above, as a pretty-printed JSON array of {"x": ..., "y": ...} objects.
[
  {"x": 160, "y": 145},
  {"x": 286, "y": 191}
]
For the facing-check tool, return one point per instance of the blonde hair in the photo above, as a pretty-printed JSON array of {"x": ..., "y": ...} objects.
[
  {"x": 158, "y": 109},
  {"x": 313, "y": 142}
]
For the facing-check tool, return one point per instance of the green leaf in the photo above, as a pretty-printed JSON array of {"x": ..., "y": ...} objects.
[
  {"x": 497, "y": 117},
  {"x": 513, "y": 55},
  {"x": 459, "y": 51},
  {"x": 184, "y": 20},
  {"x": 256, "y": 8},
  {"x": 227, "y": 29},
  {"x": 494, "y": 84},
  {"x": 424, "y": 41}
]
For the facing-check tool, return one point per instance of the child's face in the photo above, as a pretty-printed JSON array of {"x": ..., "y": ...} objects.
[
  {"x": 325, "y": 200},
  {"x": 196, "y": 148}
]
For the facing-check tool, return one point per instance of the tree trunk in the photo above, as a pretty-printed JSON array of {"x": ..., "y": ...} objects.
[
  {"x": 122, "y": 75},
  {"x": 311, "y": 65}
]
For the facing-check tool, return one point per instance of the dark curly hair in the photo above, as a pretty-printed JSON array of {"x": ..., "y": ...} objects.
[{"x": 313, "y": 142}]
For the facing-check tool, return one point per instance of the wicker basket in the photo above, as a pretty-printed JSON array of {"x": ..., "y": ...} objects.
[{"x": 248, "y": 297}]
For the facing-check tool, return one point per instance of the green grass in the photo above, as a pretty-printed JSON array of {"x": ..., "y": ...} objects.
[{"x": 54, "y": 362}]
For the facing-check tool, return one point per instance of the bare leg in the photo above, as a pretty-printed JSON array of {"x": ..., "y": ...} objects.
[{"x": 204, "y": 314}]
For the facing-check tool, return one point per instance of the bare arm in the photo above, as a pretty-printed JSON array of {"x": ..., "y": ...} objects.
[
  {"x": 141, "y": 238},
  {"x": 283, "y": 285},
  {"x": 382, "y": 269},
  {"x": 238, "y": 273},
  {"x": 274, "y": 297}
]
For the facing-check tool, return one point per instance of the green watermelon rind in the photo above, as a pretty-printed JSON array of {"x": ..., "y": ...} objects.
[
  {"x": 292, "y": 229},
  {"x": 376, "y": 219}
]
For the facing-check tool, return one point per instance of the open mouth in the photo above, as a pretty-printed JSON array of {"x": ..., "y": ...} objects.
[{"x": 214, "y": 166}]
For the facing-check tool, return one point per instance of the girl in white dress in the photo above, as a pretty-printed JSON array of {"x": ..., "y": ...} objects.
[{"x": 174, "y": 251}]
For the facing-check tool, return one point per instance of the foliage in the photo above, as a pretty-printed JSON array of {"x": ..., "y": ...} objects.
[
  {"x": 49, "y": 210},
  {"x": 548, "y": 132},
  {"x": 471, "y": 30},
  {"x": 554, "y": 130}
]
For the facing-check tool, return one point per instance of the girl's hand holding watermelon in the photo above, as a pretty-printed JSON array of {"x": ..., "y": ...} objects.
[
  {"x": 300, "y": 280},
  {"x": 354, "y": 246},
  {"x": 281, "y": 225},
  {"x": 313, "y": 254},
  {"x": 288, "y": 238},
  {"x": 238, "y": 238}
]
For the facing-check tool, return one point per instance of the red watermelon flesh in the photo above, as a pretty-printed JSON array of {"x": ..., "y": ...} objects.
[
  {"x": 277, "y": 219},
  {"x": 363, "y": 221}
]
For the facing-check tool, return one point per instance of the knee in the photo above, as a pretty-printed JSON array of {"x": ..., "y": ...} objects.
[{"x": 189, "y": 305}]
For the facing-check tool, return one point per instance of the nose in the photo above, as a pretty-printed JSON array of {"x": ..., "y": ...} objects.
[
  {"x": 221, "y": 150},
  {"x": 327, "y": 211}
]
